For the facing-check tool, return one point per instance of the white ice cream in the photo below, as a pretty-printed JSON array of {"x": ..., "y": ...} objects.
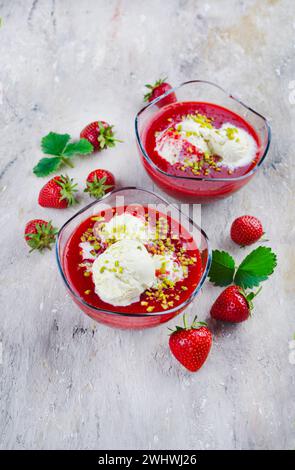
[
  {"x": 169, "y": 149},
  {"x": 195, "y": 134},
  {"x": 125, "y": 226},
  {"x": 234, "y": 145},
  {"x": 123, "y": 272}
]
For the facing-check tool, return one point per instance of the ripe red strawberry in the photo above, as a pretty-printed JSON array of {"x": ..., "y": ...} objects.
[
  {"x": 100, "y": 134},
  {"x": 233, "y": 305},
  {"x": 59, "y": 192},
  {"x": 99, "y": 182},
  {"x": 246, "y": 230},
  {"x": 39, "y": 234},
  {"x": 158, "y": 89},
  {"x": 191, "y": 345}
]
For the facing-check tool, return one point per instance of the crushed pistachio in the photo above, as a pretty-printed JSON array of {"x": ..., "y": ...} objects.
[
  {"x": 150, "y": 309},
  {"x": 230, "y": 132},
  {"x": 202, "y": 120}
]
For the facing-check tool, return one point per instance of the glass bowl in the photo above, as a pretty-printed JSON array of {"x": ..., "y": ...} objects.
[
  {"x": 126, "y": 197},
  {"x": 201, "y": 189}
]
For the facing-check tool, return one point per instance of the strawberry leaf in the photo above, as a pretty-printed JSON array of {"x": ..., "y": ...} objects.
[
  {"x": 54, "y": 144},
  {"x": 59, "y": 146},
  {"x": 82, "y": 147},
  {"x": 46, "y": 166},
  {"x": 222, "y": 268},
  {"x": 256, "y": 267}
]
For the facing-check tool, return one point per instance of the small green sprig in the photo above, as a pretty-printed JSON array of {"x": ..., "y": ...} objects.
[
  {"x": 62, "y": 150},
  {"x": 255, "y": 268}
]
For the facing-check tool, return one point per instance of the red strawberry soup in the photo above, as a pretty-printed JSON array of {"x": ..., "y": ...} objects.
[
  {"x": 132, "y": 260},
  {"x": 200, "y": 151}
]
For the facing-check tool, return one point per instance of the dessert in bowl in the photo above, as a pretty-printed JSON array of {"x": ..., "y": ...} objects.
[
  {"x": 204, "y": 146},
  {"x": 132, "y": 260}
]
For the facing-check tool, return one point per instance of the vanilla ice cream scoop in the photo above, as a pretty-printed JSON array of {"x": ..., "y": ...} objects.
[
  {"x": 123, "y": 272},
  {"x": 172, "y": 149},
  {"x": 169, "y": 149},
  {"x": 234, "y": 145}
]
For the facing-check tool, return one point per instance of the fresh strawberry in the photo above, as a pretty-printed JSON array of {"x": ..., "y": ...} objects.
[
  {"x": 59, "y": 192},
  {"x": 40, "y": 234},
  {"x": 99, "y": 182},
  {"x": 158, "y": 89},
  {"x": 233, "y": 305},
  {"x": 246, "y": 230},
  {"x": 100, "y": 134},
  {"x": 191, "y": 345}
]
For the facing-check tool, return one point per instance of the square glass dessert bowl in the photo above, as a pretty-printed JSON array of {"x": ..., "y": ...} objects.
[
  {"x": 199, "y": 143},
  {"x": 131, "y": 259}
]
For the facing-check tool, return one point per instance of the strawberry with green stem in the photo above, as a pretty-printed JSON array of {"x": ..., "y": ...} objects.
[
  {"x": 158, "y": 89},
  {"x": 246, "y": 230},
  {"x": 59, "y": 193},
  {"x": 233, "y": 305},
  {"x": 40, "y": 234},
  {"x": 99, "y": 182},
  {"x": 100, "y": 135},
  {"x": 191, "y": 345}
]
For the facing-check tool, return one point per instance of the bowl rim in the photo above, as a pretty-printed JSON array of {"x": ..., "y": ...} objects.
[
  {"x": 126, "y": 314},
  {"x": 202, "y": 178}
]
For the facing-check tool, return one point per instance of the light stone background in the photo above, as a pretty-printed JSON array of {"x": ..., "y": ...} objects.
[{"x": 66, "y": 382}]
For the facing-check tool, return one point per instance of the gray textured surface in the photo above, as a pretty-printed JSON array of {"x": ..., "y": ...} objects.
[{"x": 65, "y": 381}]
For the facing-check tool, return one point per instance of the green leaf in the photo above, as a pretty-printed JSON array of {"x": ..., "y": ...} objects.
[
  {"x": 256, "y": 267},
  {"x": 82, "y": 147},
  {"x": 222, "y": 268},
  {"x": 46, "y": 166},
  {"x": 54, "y": 144}
]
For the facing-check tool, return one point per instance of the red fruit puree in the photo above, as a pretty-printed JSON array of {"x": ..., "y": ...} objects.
[{"x": 170, "y": 237}]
